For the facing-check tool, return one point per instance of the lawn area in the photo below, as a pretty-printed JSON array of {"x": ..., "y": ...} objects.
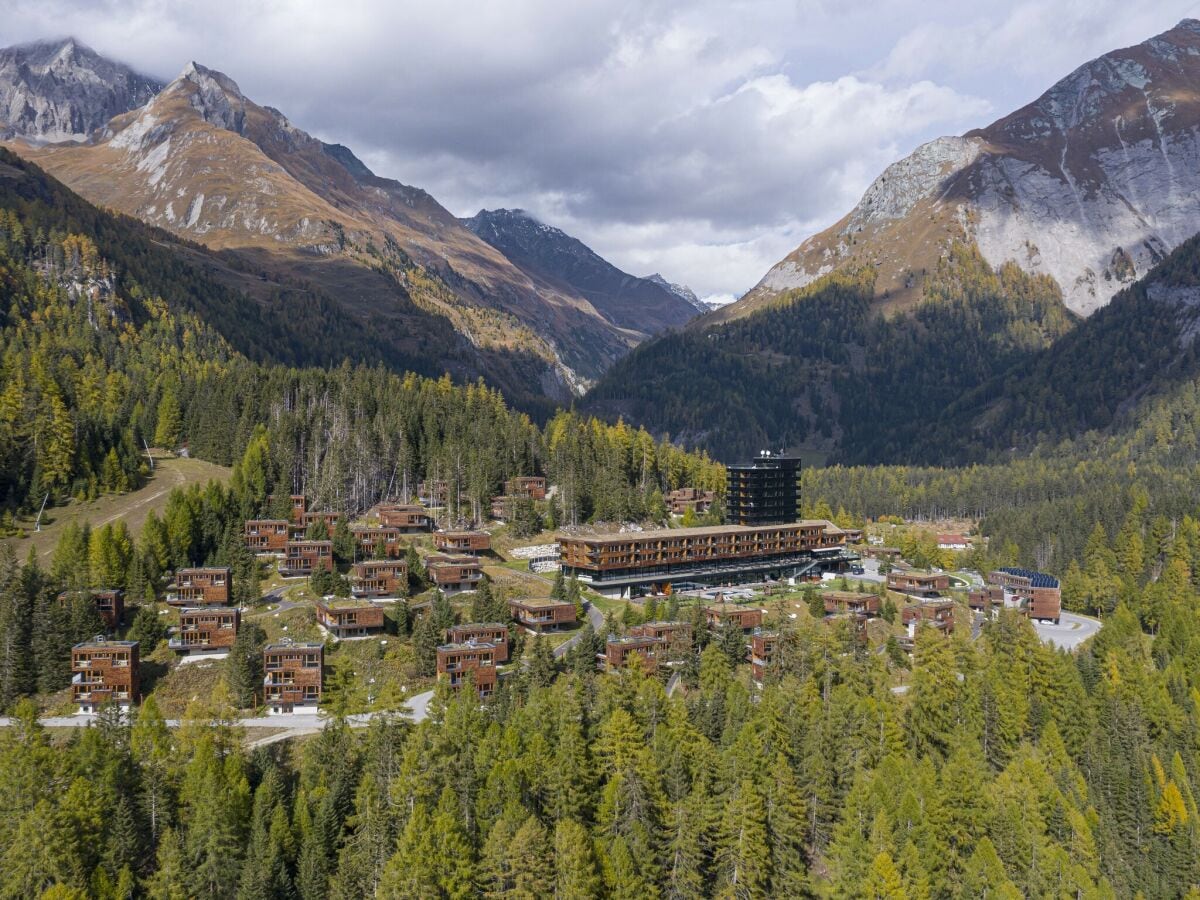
[
  {"x": 169, "y": 473},
  {"x": 370, "y": 674},
  {"x": 179, "y": 686}
]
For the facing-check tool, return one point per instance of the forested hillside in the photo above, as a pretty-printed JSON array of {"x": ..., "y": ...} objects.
[
  {"x": 821, "y": 370},
  {"x": 1142, "y": 345},
  {"x": 266, "y": 316},
  {"x": 106, "y": 346}
]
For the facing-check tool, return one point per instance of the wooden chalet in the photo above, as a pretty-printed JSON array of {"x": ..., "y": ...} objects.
[
  {"x": 266, "y": 535},
  {"x": 306, "y": 557},
  {"x": 619, "y": 650},
  {"x": 731, "y": 615},
  {"x": 494, "y": 633},
  {"x": 851, "y": 602},
  {"x": 294, "y": 676},
  {"x": 454, "y": 572},
  {"x": 462, "y": 541},
  {"x": 376, "y": 578},
  {"x": 543, "y": 615},
  {"x": 408, "y": 517},
  {"x": 762, "y": 652},
  {"x": 531, "y": 486},
  {"x": 368, "y": 538},
  {"x": 204, "y": 586},
  {"x": 918, "y": 584},
  {"x": 104, "y": 671},
  {"x": 347, "y": 618},
  {"x": 457, "y": 664},
  {"x": 205, "y": 629}
]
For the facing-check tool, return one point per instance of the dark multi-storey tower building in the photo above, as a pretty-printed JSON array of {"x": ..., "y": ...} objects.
[{"x": 764, "y": 491}]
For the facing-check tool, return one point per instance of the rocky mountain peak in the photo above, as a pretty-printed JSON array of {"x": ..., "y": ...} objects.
[
  {"x": 679, "y": 290},
  {"x": 214, "y": 95},
  {"x": 63, "y": 90},
  {"x": 550, "y": 255},
  {"x": 1092, "y": 184}
]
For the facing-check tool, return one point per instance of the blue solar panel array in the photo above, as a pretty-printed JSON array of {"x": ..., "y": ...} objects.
[{"x": 1036, "y": 579}]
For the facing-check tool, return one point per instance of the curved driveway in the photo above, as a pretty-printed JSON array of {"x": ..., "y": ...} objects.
[{"x": 1071, "y": 631}]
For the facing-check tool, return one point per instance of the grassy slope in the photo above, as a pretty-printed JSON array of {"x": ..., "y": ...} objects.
[{"x": 133, "y": 507}]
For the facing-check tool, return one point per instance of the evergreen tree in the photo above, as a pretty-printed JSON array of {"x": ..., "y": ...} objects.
[
  {"x": 575, "y": 873},
  {"x": 244, "y": 665}
]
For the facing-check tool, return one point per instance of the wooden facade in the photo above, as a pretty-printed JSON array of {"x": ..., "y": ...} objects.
[
  {"x": 109, "y": 603},
  {"x": 306, "y": 557},
  {"x": 986, "y": 598},
  {"x": 454, "y": 572},
  {"x": 531, "y": 486},
  {"x": 374, "y": 578},
  {"x": 458, "y": 663},
  {"x": 205, "y": 628},
  {"x": 294, "y": 676},
  {"x": 408, "y": 517},
  {"x": 543, "y": 615},
  {"x": 670, "y": 632},
  {"x": 851, "y": 602},
  {"x": 329, "y": 519},
  {"x": 619, "y": 650},
  {"x": 348, "y": 619},
  {"x": 938, "y": 614},
  {"x": 502, "y": 507},
  {"x": 462, "y": 541},
  {"x": 918, "y": 584},
  {"x": 762, "y": 653},
  {"x": 730, "y": 615},
  {"x": 104, "y": 671},
  {"x": 724, "y": 552},
  {"x": 368, "y": 537},
  {"x": 206, "y": 586},
  {"x": 1036, "y": 594},
  {"x": 267, "y": 535},
  {"x": 434, "y": 492},
  {"x": 683, "y": 499},
  {"x": 494, "y": 633}
]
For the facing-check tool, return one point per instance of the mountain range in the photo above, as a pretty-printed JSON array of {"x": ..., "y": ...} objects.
[
  {"x": 976, "y": 273},
  {"x": 198, "y": 158}
]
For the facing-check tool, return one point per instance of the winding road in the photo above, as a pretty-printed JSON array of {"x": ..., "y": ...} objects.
[
  {"x": 282, "y": 726},
  {"x": 595, "y": 617}
]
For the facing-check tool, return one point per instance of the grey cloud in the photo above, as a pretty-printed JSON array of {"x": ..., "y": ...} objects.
[{"x": 703, "y": 139}]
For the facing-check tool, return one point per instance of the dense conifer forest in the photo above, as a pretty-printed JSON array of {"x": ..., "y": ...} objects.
[
  {"x": 1007, "y": 770},
  {"x": 822, "y": 369}
]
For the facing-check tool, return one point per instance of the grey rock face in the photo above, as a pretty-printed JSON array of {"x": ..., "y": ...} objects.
[
  {"x": 63, "y": 91},
  {"x": 1092, "y": 183}
]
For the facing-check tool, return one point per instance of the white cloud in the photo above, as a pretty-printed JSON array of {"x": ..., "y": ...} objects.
[{"x": 701, "y": 139}]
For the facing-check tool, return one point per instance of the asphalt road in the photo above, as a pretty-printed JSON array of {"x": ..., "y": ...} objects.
[
  {"x": 595, "y": 617},
  {"x": 417, "y": 708},
  {"x": 1071, "y": 631}
]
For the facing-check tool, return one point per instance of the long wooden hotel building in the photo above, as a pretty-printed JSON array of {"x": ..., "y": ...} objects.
[{"x": 623, "y": 564}]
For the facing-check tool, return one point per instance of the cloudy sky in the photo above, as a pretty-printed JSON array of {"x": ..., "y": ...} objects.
[{"x": 704, "y": 140}]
